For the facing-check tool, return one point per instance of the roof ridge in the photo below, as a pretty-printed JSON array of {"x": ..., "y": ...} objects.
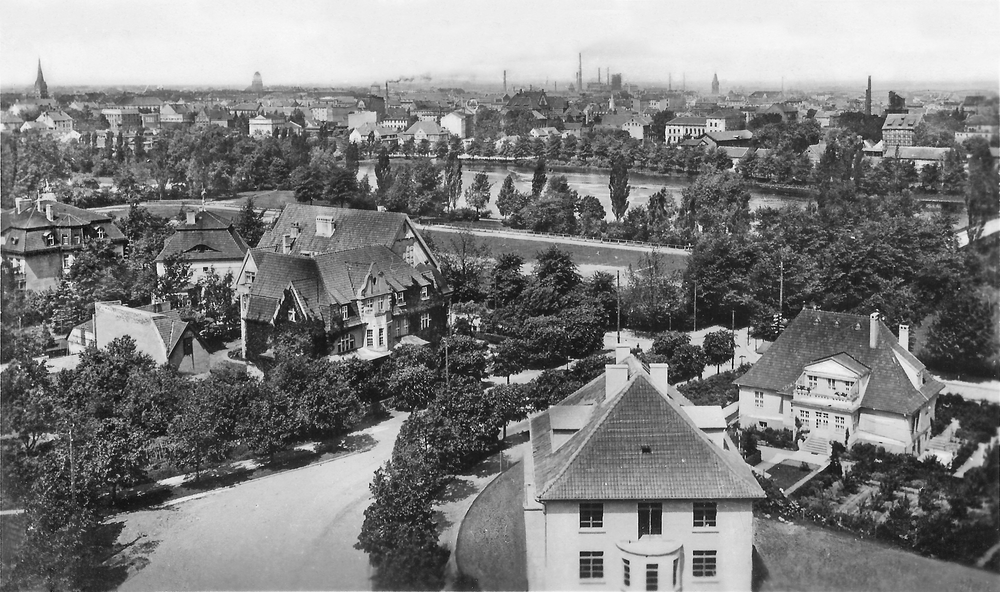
[{"x": 593, "y": 430}]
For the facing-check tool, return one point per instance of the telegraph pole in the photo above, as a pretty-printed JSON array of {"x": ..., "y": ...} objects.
[{"x": 618, "y": 296}]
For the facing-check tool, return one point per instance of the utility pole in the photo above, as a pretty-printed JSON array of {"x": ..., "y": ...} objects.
[
  {"x": 696, "y": 305},
  {"x": 781, "y": 285},
  {"x": 618, "y": 297},
  {"x": 732, "y": 335}
]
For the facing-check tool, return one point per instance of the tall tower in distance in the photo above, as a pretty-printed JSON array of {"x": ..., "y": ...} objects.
[
  {"x": 715, "y": 84},
  {"x": 257, "y": 85},
  {"x": 579, "y": 75},
  {"x": 41, "y": 89},
  {"x": 868, "y": 98}
]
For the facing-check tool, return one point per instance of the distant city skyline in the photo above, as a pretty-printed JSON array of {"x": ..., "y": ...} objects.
[{"x": 185, "y": 43}]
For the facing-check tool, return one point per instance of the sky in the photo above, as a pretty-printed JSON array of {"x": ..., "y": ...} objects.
[{"x": 335, "y": 42}]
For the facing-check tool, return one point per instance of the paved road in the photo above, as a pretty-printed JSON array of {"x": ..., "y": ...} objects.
[
  {"x": 291, "y": 531},
  {"x": 564, "y": 240}
]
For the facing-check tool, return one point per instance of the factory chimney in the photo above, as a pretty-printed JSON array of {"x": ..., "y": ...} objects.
[
  {"x": 505, "y": 82},
  {"x": 868, "y": 98}
]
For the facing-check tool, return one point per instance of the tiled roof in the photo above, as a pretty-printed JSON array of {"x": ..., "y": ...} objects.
[
  {"x": 210, "y": 238},
  {"x": 815, "y": 334},
  {"x": 354, "y": 228},
  {"x": 687, "y": 121},
  {"x": 921, "y": 152},
  {"x": 430, "y": 128},
  {"x": 605, "y": 460},
  {"x": 25, "y": 232},
  {"x": 901, "y": 121}
]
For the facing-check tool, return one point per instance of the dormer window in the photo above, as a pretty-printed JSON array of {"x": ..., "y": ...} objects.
[
  {"x": 249, "y": 277},
  {"x": 424, "y": 293},
  {"x": 50, "y": 239},
  {"x": 345, "y": 312}
]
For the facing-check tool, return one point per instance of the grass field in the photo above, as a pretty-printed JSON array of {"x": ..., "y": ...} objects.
[
  {"x": 491, "y": 547},
  {"x": 588, "y": 258},
  {"x": 787, "y": 473},
  {"x": 809, "y": 557}
]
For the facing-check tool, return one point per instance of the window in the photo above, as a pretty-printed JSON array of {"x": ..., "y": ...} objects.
[
  {"x": 425, "y": 320},
  {"x": 591, "y": 515},
  {"x": 101, "y": 233},
  {"x": 189, "y": 346},
  {"x": 346, "y": 343},
  {"x": 758, "y": 398},
  {"x": 848, "y": 384},
  {"x": 650, "y": 518},
  {"x": 762, "y": 424},
  {"x": 831, "y": 383},
  {"x": 381, "y": 336},
  {"x": 204, "y": 269},
  {"x": 591, "y": 565},
  {"x": 381, "y": 304},
  {"x": 838, "y": 422},
  {"x": 65, "y": 239},
  {"x": 813, "y": 381},
  {"x": 703, "y": 564},
  {"x": 249, "y": 276},
  {"x": 704, "y": 514},
  {"x": 291, "y": 315},
  {"x": 369, "y": 340},
  {"x": 822, "y": 419},
  {"x": 400, "y": 299},
  {"x": 626, "y": 572},
  {"x": 652, "y": 576},
  {"x": 76, "y": 239},
  {"x": 67, "y": 261},
  {"x": 804, "y": 415},
  {"x": 50, "y": 239},
  {"x": 423, "y": 293},
  {"x": 676, "y": 565},
  {"x": 345, "y": 312}
]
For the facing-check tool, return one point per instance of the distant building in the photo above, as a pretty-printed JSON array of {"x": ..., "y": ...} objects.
[
  {"x": 266, "y": 125},
  {"x": 458, "y": 124},
  {"x": 715, "y": 84},
  {"x": 41, "y": 90},
  {"x": 40, "y": 239},
  {"x": 56, "y": 121},
  {"x": 681, "y": 128},
  {"x": 157, "y": 330},
  {"x": 424, "y": 130},
  {"x": 176, "y": 115},
  {"x": 616, "y": 82},
  {"x": 357, "y": 119},
  {"x": 257, "y": 85},
  {"x": 898, "y": 130},
  {"x": 376, "y": 133},
  {"x": 724, "y": 121},
  {"x": 123, "y": 117}
]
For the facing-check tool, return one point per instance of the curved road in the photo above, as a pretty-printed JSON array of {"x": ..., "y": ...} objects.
[{"x": 290, "y": 531}]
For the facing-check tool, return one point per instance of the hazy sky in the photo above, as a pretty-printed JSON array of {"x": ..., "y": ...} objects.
[{"x": 331, "y": 42}]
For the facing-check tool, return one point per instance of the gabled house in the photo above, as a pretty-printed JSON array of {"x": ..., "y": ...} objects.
[
  {"x": 10, "y": 122},
  {"x": 628, "y": 486},
  {"x": 157, "y": 330},
  {"x": 526, "y": 101},
  {"x": 266, "y": 125},
  {"x": 898, "y": 129},
  {"x": 56, "y": 121},
  {"x": 376, "y": 133},
  {"x": 366, "y": 298},
  {"x": 176, "y": 114},
  {"x": 843, "y": 377},
  {"x": 208, "y": 242},
  {"x": 40, "y": 239},
  {"x": 725, "y": 120},
  {"x": 424, "y": 130},
  {"x": 458, "y": 124}
]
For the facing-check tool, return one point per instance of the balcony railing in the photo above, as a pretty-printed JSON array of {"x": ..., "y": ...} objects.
[{"x": 850, "y": 396}]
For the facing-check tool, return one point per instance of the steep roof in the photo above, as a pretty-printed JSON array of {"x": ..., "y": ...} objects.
[
  {"x": 25, "y": 232},
  {"x": 354, "y": 228},
  {"x": 210, "y": 238},
  {"x": 430, "y": 128},
  {"x": 638, "y": 445},
  {"x": 816, "y": 334},
  {"x": 901, "y": 121}
]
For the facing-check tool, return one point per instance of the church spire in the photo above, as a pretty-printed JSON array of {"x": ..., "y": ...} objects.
[{"x": 41, "y": 89}]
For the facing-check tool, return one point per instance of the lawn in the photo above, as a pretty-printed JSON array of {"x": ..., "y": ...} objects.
[
  {"x": 491, "y": 548},
  {"x": 787, "y": 473},
  {"x": 585, "y": 256},
  {"x": 809, "y": 557}
]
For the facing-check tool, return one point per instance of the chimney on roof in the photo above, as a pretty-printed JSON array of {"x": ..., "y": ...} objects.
[
  {"x": 324, "y": 226},
  {"x": 615, "y": 377},
  {"x": 49, "y": 214},
  {"x": 622, "y": 352},
  {"x": 904, "y": 336},
  {"x": 658, "y": 375},
  {"x": 286, "y": 244},
  {"x": 873, "y": 330},
  {"x": 295, "y": 230},
  {"x": 190, "y": 216}
]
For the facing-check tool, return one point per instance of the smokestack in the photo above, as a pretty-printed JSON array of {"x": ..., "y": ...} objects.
[
  {"x": 579, "y": 75},
  {"x": 873, "y": 330},
  {"x": 904, "y": 336},
  {"x": 387, "y": 94},
  {"x": 868, "y": 98},
  {"x": 49, "y": 214},
  {"x": 607, "y": 74},
  {"x": 505, "y": 82}
]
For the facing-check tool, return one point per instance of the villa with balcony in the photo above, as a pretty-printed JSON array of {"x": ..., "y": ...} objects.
[{"x": 843, "y": 378}]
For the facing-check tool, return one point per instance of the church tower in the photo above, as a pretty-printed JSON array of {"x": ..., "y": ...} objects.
[
  {"x": 715, "y": 84},
  {"x": 41, "y": 89}
]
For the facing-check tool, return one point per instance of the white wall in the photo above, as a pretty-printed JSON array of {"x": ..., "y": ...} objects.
[
  {"x": 776, "y": 414},
  {"x": 732, "y": 539}
]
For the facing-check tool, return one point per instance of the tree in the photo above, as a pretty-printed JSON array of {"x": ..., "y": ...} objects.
[
  {"x": 352, "y": 156},
  {"x": 478, "y": 194},
  {"x": 964, "y": 336},
  {"x": 591, "y": 213},
  {"x": 383, "y": 171},
  {"x": 982, "y": 194},
  {"x": 176, "y": 277},
  {"x": 466, "y": 356},
  {"x": 198, "y": 434},
  {"x": 506, "y": 280},
  {"x": 249, "y": 223},
  {"x": 29, "y": 405},
  {"x": 506, "y": 198},
  {"x": 687, "y": 362},
  {"x": 554, "y": 267},
  {"x": 538, "y": 178},
  {"x": 453, "y": 179},
  {"x": 668, "y": 342},
  {"x": 509, "y": 358},
  {"x": 717, "y": 201},
  {"x": 718, "y": 347},
  {"x": 464, "y": 262},
  {"x": 619, "y": 187}
]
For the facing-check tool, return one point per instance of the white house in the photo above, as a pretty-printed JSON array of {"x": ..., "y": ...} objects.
[
  {"x": 629, "y": 487},
  {"x": 206, "y": 241},
  {"x": 381, "y": 134},
  {"x": 843, "y": 377},
  {"x": 457, "y": 124},
  {"x": 265, "y": 125},
  {"x": 680, "y": 128}
]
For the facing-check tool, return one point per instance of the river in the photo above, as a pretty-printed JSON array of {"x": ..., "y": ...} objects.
[{"x": 586, "y": 183}]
